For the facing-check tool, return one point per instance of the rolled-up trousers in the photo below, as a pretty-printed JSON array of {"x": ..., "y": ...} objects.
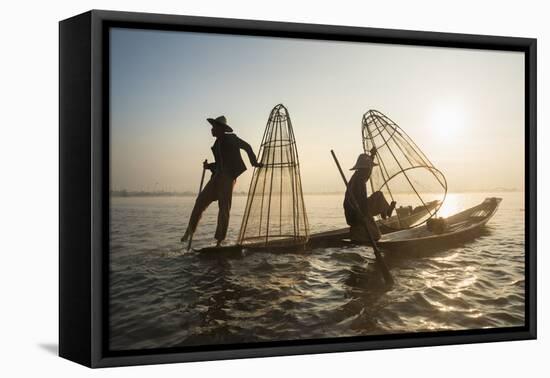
[{"x": 218, "y": 188}]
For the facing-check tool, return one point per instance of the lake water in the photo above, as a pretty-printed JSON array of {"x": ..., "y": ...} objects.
[{"x": 162, "y": 296}]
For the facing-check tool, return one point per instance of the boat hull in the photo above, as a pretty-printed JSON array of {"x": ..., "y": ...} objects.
[{"x": 461, "y": 227}]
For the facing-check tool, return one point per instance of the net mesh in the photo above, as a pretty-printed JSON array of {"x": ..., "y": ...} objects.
[
  {"x": 404, "y": 174},
  {"x": 275, "y": 212}
]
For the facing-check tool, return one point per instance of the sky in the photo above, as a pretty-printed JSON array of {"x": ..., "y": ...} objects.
[{"x": 464, "y": 108}]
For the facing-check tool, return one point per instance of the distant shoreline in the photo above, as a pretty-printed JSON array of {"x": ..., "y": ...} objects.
[{"x": 125, "y": 193}]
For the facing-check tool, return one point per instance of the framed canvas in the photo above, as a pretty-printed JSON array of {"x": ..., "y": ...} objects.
[{"x": 235, "y": 188}]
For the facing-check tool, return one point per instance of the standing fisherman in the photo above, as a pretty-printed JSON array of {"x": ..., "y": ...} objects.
[
  {"x": 376, "y": 204},
  {"x": 227, "y": 167}
]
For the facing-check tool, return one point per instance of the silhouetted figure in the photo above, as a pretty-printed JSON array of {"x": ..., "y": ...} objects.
[
  {"x": 227, "y": 167},
  {"x": 371, "y": 206}
]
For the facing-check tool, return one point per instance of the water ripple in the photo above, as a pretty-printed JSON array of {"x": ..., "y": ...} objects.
[{"x": 161, "y": 296}]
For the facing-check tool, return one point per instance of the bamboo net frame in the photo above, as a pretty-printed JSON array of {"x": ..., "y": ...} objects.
[
  {"x": 403, "y": 169},
  {"x": 275, "y": 214}
]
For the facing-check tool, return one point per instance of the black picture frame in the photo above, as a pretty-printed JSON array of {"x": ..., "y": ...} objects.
[{"x": 84, "y": 186}]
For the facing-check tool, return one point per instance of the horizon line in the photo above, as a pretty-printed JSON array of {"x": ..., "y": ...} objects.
[{"x": 160, "y": 193}]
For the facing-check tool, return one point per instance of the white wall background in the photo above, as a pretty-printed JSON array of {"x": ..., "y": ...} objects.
[{"x": 29, "y": 186}]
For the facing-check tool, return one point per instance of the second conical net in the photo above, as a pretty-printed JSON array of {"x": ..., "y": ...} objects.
[
  {"x": 404, "y": 173},
  {"x": 275, "y": 213}
]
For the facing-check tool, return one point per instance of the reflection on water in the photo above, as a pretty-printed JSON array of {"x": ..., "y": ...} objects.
[{"x": 162, "y": 297}]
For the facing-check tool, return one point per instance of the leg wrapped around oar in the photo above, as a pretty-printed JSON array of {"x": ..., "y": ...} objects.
[
  {"x": 378, "y": 205},
  {"x": 358, "y": 233},
  {"x": 364, "y": 224}
]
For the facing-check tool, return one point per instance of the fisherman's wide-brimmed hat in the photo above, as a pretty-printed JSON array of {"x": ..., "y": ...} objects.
[
  {"x": 220, "y": 121},
  {"x": 363, "y": 161}
]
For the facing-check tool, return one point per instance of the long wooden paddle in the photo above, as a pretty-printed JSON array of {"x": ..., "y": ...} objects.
[
  {"x": 379, "y": 259},
  {"x": 200, "y": 190}
]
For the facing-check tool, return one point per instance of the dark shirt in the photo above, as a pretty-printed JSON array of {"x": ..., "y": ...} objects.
[
  {"x": 227, "y": 156},
  {"x": 356, "y": 190}
]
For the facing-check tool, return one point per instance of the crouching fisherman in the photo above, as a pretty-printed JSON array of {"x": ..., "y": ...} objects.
[
  {"x": 227, "y": 167},
  {"x": 356, "y": 197}
]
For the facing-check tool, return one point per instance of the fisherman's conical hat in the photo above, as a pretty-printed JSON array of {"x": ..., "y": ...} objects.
[
  {"x": 363, "y": 161},
  {"x": 220, "y": 121}
]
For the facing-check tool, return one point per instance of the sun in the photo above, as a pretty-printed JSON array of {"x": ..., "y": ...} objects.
[{"x": 447, "y": 123}]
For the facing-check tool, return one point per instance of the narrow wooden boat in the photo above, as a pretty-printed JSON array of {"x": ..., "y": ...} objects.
[{"x": 459, "y": 228}]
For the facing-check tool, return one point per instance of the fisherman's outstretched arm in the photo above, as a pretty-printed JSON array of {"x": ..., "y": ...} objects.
[{"x": 251, "y": 155}]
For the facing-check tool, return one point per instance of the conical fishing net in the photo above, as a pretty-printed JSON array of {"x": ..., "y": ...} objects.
[
  {"x": 275, "y": 214},
  {"x": 404, "y": 173}
]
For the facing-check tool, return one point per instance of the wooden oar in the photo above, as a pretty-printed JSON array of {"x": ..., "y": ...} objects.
[
  {"x": 200, "y": 190},
  {"x": 379, "y": 259}
]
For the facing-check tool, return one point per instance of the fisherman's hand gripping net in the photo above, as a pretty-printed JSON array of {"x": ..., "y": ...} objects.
[{"x": 404, "y": 173}]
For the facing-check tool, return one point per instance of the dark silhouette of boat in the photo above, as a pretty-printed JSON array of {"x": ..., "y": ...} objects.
[{"x": 460, "y": 227}]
